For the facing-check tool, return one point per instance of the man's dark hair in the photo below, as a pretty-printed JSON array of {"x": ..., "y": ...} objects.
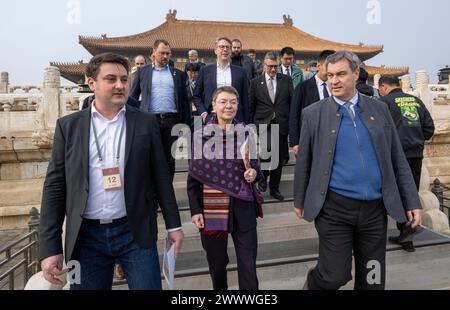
[
  {"x": 287, "y": 50},
  {"x": 93, "y": 67},
  {"x": 158, "y": 42},
  {"x": 251, "y": 51},
  {"x": 390, "y": 80},
  {"x": 192, "y": 66},
  {"x": 363, "y": 75},
  {"x": 236, "y": 40},
  {"x": 324, "y": 54}
]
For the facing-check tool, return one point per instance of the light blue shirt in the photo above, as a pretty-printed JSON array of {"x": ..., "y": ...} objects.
[
  {"x": 353, "y": 101},
  {"x": 163, "y": 91}
]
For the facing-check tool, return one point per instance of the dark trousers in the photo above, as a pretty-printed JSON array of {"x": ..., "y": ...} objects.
[
  {"x": 283, "y": 151},
  {"x": 246, "y": 247},
  {"x": 416, "y": 168},
  {"x": 168, "y": 141},
  {"x": 415, "y": 164},
  {"x": 345, "y": 225}
]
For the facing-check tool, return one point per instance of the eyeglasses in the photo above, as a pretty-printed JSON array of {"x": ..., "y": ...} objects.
[
  {"x": 272, "y": 66},
  {"x": 223, "y": 47},
  {"x": 225, "y": 102}
]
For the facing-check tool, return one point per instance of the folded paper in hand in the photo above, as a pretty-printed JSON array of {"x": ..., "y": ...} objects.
[{"x": 169, "y": 263}]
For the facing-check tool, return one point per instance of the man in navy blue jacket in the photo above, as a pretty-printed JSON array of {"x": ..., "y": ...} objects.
[
  {"x": 222, "y": 73},
  {"x": 163, "y": 90}
]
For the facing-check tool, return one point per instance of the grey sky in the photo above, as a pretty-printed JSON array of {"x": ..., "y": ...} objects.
[{"x": 33, "y": 33}]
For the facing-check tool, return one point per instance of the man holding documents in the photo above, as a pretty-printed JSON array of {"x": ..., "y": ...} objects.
[{"x": 106, "y": 169}]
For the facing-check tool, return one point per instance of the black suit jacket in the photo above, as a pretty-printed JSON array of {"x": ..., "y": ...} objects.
[
  {"x": 207, "y": 83},
  {"x": 305, "y": 94},
  {"x": 247, "y": 64},
  {"x": 66, "y": 185},
  {"x": 261, "y": 106},
  {"x": 142, "y": 84}
]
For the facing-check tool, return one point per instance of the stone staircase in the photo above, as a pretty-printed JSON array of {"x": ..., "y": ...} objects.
[{"x": 288, "y": 247}]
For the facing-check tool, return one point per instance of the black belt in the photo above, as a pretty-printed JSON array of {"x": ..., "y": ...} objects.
[
  {"x": 103, "y": 222},
  {"x": 166, "y": 115}
]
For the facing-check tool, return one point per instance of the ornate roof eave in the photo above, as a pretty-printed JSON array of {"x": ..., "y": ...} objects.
[
  {"x": 144, "y": 40},
  {"x": 397, "y": 71},
  {"x": 95, "y": 49}
]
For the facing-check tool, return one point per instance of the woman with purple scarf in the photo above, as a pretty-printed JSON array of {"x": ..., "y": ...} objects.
[{"x": 222, "y": 196}]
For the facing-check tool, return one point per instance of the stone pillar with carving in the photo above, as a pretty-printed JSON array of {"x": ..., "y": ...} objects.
[
  {"x": 49, "y": 109},
  {"x": 406, "y": 83},
  {"x": 4, "y": 82},
  {"x": 422, "y": 89},
  {"x": 432, "y": 216},
  {"x": 376, "y": 80},
  {"x": 422, "y": 79}
]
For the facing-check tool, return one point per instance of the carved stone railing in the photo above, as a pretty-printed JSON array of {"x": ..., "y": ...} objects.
[
  {"x": 32, "y": 114},
  {"x": 26, "y": 89},
  {"x": 19, "y": 102}
]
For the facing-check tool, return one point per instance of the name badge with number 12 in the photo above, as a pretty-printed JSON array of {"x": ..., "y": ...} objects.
[{"x": 111, "y": 178}]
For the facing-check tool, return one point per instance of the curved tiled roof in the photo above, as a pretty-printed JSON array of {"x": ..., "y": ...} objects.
[
  {"x": 73, "y": 72},
  {"x": 397, "y": 71},
  {"x": 201, "y": 35},
  {"x": 70, "y": 67}
]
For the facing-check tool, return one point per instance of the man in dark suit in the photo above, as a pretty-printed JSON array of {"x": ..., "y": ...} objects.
[
  {"x": 103, "y": 175},
  {"x": 222, "y": 73},
  {"x": 305, "y": 94},
  {"x": 192, "y": 70},
  {"x": 163, "y": 90},
  {"x": 270, "y": 100},
  {"x": 242, "y": 60},
  {"x": 350, "y": 172}
]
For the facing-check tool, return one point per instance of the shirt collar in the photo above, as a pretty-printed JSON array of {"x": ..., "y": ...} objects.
[
  {"x": 285, "y": 68},
  {"x": 268, "y": 77},
  {"x": 166, "y": 67},
  {"x": 95, "y": 113},
  {"x": 226, "y": 67},
  {"x": 353, "y": 101},
  {"x": 319, "y": 82}
]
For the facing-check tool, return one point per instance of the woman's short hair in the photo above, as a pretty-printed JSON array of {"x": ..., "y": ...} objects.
[{"x": 225, "y": 89}]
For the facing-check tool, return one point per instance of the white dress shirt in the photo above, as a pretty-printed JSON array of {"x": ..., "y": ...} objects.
[
  {"x": 102, "y": 204},
  {"x": 319, "y": 83},
  {"x": 224, "y": 76},
  {"x": 274, "y": 82}
]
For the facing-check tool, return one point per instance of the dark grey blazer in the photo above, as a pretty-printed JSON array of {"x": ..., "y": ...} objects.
[
  {"x": 261, "y": 106},
  {"x": 320, "y": 126},
  {"x": 66, "y": 186}
]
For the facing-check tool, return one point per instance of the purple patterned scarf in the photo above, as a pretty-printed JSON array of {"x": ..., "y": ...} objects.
[{"x": 219, "y": 164}]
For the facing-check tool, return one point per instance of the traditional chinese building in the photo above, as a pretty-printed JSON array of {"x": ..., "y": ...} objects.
[{"x": 184, "y": 35}]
